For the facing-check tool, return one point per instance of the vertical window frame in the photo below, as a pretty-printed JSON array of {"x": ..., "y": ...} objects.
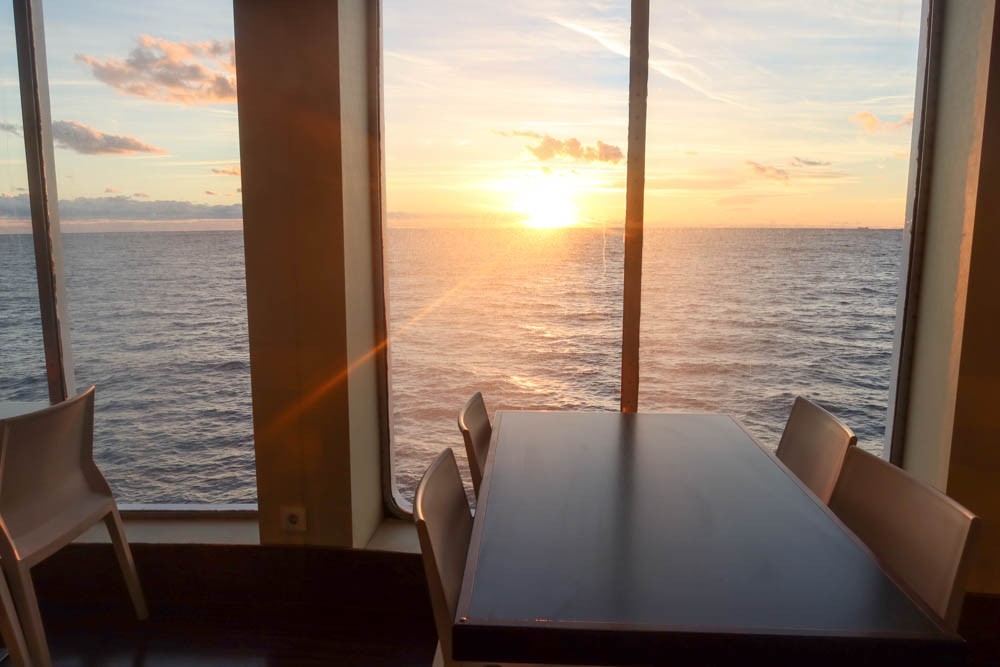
[
  {"x": 43, "y": 197},
  {"x": 914, "y": 229}
]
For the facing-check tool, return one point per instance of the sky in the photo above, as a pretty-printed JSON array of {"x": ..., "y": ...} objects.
[{"x": 766, "y": 113}]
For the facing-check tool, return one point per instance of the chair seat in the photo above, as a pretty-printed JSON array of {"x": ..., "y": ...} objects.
[{"x": 44, "y": 539}]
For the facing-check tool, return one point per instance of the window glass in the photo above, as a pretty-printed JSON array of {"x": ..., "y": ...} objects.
[
  {"x": 22, "y": 354},
  {"x": 777, "y": 157},
  {"x": 505, "y": 132},
  {"x": 146, "y": 146}
]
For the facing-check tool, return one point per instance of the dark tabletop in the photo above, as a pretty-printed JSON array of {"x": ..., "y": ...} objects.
[{"x": 607, "y": 538}]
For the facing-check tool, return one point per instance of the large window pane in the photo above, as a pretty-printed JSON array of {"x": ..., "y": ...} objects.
[
  {"x": 505, "y": 133},
  {"x": 145, "y": 128},
  {"x": 777, "y": 155},
  {"x": 22, "y": 355}
]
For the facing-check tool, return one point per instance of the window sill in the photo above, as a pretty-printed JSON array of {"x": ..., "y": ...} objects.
[{"x": 188, "y": 526}]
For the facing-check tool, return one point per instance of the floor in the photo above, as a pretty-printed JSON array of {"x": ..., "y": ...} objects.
[
  {"x": 257, "y": 607},
  {"x": 214, "y": 606},
  {"x": 231, "y": 637}
]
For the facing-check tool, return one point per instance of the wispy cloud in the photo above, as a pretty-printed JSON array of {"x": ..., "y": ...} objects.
[
  {"x": 615, "y": 39},
  {"x": 767, "y": 171},
  {"x": 235, "y": 170},
  {"x": 12, "y": 128},
  {"x": 803, "y": 162},
  {"x": 85, "y": 139},
  {"x": 871, "y": 123},
  {"x": 111, "y": 190},
  {"x": 179, "y": 72}
]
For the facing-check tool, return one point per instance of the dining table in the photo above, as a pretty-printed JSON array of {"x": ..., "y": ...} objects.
[{"x": 609, "y": 538}]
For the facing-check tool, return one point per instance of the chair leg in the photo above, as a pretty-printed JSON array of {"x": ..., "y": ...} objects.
[
  {"x": 113, "y": 522},
  {"x": 22, "y": 589},
  {"x": 10, "y": 628}
]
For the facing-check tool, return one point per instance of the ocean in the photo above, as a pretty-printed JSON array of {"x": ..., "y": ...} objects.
[{"x": 733, "y": 320}]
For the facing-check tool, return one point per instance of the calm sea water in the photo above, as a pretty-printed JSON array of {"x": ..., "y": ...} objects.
[{"x": 733, "y": 320}]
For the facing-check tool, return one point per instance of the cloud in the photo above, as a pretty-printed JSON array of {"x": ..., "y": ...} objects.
[
  {"x": 767, "y": 171},
  {"x": 803, "y": 162},
  {"x": 111, "y": 191},
  {"x": 85, "y": 139},
  {"x": 871, "y": 124},
  {"x": 519, "y": 133},
  {"x": 616, "y": 40},
  {"x": 235, "y": 170},
  {"x": 123, "y": 207},
  {"x": 12, "y": 128},
  {"x": 549, "y": 148},
  {"x": 178, "y": 72},
  {"x": 141, "y": 195},
  {"x": 211, "y": 193}
]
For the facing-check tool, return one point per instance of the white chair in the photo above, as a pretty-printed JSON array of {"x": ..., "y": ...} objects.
[
  {"x": 474, "y": 423},
  {"x": 51, "y": 491},
  {"x": 920, "y": 535},
  {"x": 10, "y": 628},
  {"x": 444, "y": 527},
  {"x": 813, "y": 446}
]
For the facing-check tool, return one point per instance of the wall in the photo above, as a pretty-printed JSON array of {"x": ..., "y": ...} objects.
[
  {"x": 304, "y": 146},
  {"x": 974, "y": 473},
  {"x": 953, "y": 423}
]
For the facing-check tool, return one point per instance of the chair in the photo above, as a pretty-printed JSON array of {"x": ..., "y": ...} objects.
[
  {"x": 10, "y": 628},
  {"x": 474, "y": 423},
  {"x": 51, "y": 491},
  {"x": 920, "y": 535},
  {"x": 813, "y": 446},
  {"x": 444, "y": 528}
]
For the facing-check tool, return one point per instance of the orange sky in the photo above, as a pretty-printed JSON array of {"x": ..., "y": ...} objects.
[{"x": 792, "y": 114}]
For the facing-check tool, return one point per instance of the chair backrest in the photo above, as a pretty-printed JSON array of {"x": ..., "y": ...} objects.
[
  {"x": 474, "y": 423},
  {"x": 920, "y": 535},
  {"x": 444, "y": 527},
  {"x": 46, "y": 459},
  {"x": 813, "y": 446}
]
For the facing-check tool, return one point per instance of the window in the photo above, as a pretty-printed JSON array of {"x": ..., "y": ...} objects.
[
  {"x": 776, "y": 173},
  {"x": 22, "y": 357},
  {"x": 777, "y": 145},
  {"x": 505, "y": 135},
  {"x": 143, "y": 106}
]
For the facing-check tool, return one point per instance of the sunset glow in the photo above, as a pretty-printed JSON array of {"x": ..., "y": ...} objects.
[
  {"x": 789, "y": 113},
  {"x": 547, "y": 202}
]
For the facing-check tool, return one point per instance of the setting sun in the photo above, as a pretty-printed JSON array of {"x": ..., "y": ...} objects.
[{"x": 546, "y": 201}]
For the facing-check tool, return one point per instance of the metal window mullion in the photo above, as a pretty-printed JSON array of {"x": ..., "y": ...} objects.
[
  {"x": 914, "y": 230},
  {"x": 40, "y": 160},
  {"x": 635, "y": 182}
]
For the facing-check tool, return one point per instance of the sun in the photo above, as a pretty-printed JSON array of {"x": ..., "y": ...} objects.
[{"x": 546, "y": 201}]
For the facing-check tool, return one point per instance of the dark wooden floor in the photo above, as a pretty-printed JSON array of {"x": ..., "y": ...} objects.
[
  {"x": 229, "y": 637},
  {"x": 234, "y": 606},
  {"x": 275, "y": 606}
]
